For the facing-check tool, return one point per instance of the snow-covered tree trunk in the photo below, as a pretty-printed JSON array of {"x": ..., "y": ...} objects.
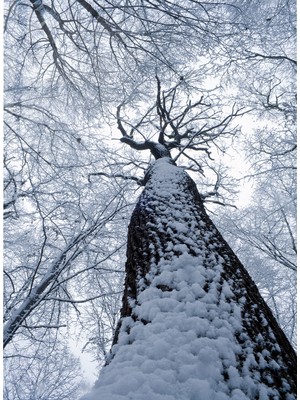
[{"x": 193, "y": 324}]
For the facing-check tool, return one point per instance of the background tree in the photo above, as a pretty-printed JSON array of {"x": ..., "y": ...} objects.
[{"x": 52, "y": 376}]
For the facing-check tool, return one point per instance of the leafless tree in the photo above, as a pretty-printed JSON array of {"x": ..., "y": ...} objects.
[
  {"x": 37, "y": 374},
  {"x": 170, "y": 235}
]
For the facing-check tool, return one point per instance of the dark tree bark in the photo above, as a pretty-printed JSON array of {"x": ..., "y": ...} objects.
[{"x": 176, "y": 253}]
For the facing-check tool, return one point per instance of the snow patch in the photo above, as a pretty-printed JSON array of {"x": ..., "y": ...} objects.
[{"x": 182, "y": 343}]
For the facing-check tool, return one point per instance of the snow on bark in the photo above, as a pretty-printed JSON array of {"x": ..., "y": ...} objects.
[{"x": 193, "y": 325}]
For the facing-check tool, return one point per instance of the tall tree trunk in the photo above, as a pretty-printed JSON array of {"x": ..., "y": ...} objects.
[{"x": 193, "y": 324}]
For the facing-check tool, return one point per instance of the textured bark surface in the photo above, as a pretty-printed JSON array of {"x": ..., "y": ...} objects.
[{"x": 170, "y": 234}]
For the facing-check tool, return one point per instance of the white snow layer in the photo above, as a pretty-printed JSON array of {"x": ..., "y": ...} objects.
[{"x": 191, "y": 339}]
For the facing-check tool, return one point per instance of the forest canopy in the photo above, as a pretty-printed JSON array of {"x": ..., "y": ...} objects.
[{"x": 84, "y": 79}]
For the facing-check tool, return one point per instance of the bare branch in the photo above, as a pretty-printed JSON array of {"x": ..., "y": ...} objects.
[
  {"x": 83, "y": 300},
  {"x": 102, "y": 21},
  {"x": 125, "y": 177},
  {"x": 273, "y": 57}
]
